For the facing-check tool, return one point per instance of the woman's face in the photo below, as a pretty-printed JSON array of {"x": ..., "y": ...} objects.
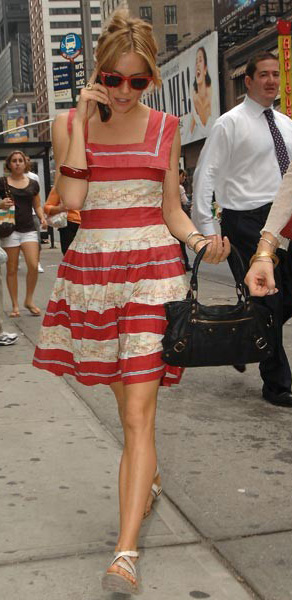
[
  {"x": 17, "y": 164},
  {"x": 201, "y": 68},
  {"x": 124, "y": 98}
]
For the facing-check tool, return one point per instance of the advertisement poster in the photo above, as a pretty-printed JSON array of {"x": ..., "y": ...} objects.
[
  {"x": 190, "y": 89},
  {"x": 17, "y": 117},
  {"x": 227, "y": 10}
]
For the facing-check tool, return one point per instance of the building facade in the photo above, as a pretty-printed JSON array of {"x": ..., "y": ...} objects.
[
  {"x": 175, "y": 22},
  {"x": 16, "y": 90},
  {"x": 50, "y": 22}
]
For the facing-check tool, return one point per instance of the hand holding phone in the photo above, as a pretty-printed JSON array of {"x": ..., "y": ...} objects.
[{"x": 104, "y": 110}]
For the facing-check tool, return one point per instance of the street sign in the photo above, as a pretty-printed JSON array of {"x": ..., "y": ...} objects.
[{"x": 71, "y": 46}]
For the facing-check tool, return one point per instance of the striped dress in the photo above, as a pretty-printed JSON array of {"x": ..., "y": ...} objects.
[{"x": 105, "y": 318}]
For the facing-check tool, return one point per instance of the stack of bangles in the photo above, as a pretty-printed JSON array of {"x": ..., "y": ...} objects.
[
  {"x": 264, "y": 257},
  {"x": 194, "y": 236},
  {"x": 74, "y": 172}
]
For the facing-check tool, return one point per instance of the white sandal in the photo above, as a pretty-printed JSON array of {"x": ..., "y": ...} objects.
[
  {"x": 155, "y": 491},
  {"x": 115, "y": 582}
]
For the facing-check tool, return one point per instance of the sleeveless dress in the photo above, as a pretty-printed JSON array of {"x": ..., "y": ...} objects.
[{"x": 105, "y": 318}]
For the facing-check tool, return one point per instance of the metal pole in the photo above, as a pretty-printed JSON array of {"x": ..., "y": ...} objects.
[
  {"x": 86, "y": 38},
  {"x": 73, "y": 83}
]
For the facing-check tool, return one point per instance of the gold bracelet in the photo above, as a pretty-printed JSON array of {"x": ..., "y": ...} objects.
[
  {"x": 193, "y": 234},
  {"x": 274, "y": 258},
  {"x": 197, "y": 242},
  {"x": 268, "y": 241}
]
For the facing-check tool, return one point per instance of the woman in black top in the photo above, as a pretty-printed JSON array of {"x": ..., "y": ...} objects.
[{"x": 23, "y": 192}]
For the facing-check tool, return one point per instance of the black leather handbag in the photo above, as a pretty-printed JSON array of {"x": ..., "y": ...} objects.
[{"x": 198, "y": 335}]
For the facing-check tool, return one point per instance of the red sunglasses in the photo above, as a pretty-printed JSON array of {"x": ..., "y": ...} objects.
[{"x": 136, "y": 82}]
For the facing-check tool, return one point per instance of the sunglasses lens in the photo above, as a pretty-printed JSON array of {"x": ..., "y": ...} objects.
[
  {"x": 139, "y": 83},
  {"x": 112, "y": 80}
]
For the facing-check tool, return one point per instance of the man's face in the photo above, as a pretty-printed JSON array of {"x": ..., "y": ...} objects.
[{"x": 264, "y": 85}]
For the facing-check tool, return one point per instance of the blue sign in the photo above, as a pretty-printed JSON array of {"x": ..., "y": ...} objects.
[
  {"x": 61, "y": 76},
  {"x": 71, "y": 46}
]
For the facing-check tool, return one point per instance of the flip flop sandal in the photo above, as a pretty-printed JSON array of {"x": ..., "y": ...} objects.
[
  {"x": 115, "y": 582},
  {"x": 34, "y": 310},
  {"x": 14, "y": 314},
  {"x": 155, "y": 491}
]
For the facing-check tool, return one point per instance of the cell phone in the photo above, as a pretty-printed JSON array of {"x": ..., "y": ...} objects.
[{"x": 104, "y": 110}]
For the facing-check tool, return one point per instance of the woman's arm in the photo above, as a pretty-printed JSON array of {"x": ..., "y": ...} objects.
[
  {"x": 69, "y": 150},
  {"x": 179, "y": 224},
  {"x": 281, "y": 210},
  {"x": 36, "y": 202},
  {"x": 260, "y": 277}
]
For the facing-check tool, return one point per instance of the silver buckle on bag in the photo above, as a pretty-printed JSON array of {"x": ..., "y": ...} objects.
[
  {"x": 180, "y": 346},
  {"x": 261, "y": 343}
]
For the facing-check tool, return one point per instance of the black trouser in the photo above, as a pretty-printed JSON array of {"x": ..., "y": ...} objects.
[
  {"x": 243, "y": 227},
  {"x": 67, "y": 235}
]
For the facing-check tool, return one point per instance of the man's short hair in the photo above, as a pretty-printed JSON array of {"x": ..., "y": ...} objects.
[{"x": 254, "y": 60}]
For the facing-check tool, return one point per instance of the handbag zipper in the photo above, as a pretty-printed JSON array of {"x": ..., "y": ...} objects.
[{"x": 231, "y": 321}]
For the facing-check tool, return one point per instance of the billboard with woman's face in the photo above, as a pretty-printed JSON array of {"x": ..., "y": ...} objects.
[
  {"x": 227, "y": 10},
  {"x": 190, "y": 89}
]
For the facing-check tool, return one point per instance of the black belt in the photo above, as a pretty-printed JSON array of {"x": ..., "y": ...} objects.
[{"x": 258, "y": 211}]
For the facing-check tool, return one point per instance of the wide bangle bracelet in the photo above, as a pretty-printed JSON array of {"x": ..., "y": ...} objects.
[
  {"x": 258, "y": 255},
  {"x": 200, "y": 236},
  {"x": 74, "y": 172}
]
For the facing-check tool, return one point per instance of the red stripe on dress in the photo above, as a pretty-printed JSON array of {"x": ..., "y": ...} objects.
[
  {"x": 60, "y": 362},
  {"x": 131, "y": 319},
  {"x": 102, "y": 218},
  {"x": 104, "y": 259},
  {"x": 116, "y": 274},
  {"x": 124, "y": 174}
]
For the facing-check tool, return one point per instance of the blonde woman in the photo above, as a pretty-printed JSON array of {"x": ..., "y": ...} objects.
[{"x": 106, "y": 319}]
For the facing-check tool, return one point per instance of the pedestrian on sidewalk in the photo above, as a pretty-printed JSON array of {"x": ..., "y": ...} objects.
[
  {"x": 24, "y": 194},
  {"x": 106, "y": 319},
  {"x": 54, "y": 206},
  {"x": 36, "y": 220},
  {"x": 243, "y": 162},
  {"x": 6, "y": 339}
]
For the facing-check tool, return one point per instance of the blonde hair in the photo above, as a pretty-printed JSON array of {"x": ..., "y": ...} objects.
[
  {"x": 9, "y": 157},
  {"x": 125, "y": 34}
]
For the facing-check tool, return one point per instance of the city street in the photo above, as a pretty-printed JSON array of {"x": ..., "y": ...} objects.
[{"x": 222, "y": 529}]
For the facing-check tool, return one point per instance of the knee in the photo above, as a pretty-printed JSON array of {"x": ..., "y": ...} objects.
[
  {"x": 11, "y": 270},
  {"x": 137, "y": 423}
]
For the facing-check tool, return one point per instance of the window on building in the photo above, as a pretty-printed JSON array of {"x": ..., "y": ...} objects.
[
  {"x": 170, "y": 15},
  {"x": 146, "y": 13},
  {"x": 65, "y": 24},
  {"x": 64, "y": 11},
  {"x": 171, "y": 41}
]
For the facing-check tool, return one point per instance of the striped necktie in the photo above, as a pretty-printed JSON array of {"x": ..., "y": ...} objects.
[{"x": 280, "y": 147}]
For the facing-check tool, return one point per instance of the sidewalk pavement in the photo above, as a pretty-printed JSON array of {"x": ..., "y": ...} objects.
[{"x": 60, "y": 446}]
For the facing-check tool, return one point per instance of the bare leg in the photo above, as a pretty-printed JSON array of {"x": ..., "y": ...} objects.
[
  {"x": 11, "y": 277},
  {"x": 118, "y": 389},
  {"x": 31, "y": 254},
  {"x": 138, "y": 463}
]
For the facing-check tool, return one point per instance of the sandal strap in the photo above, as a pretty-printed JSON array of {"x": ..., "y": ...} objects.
[
  {"x": 126, "y": 562},
  {"x": 156, "y": 490}
]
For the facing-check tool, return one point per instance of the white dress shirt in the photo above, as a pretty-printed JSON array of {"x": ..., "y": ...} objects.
[{"x": 238, "y": 162}]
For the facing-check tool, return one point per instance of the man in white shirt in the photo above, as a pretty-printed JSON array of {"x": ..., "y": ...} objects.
[{"x": 239, "y": 163}]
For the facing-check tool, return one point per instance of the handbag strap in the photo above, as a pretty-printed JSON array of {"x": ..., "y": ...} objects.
[
  {"x": 7, "y": 189},
  {"x": 241, "y": 288}
]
